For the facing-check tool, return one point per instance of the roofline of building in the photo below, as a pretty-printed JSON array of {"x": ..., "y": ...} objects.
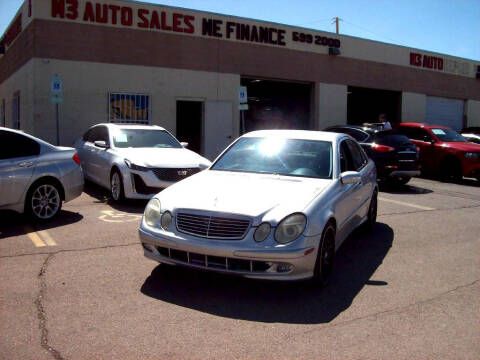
[{"x": 273, "y": 23}]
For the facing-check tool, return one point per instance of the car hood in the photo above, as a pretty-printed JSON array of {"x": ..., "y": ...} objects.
[
  {"x": 463, "y": 146},
  {"x": 163, "y": 157},
  {"x": 261, "y": 196}
]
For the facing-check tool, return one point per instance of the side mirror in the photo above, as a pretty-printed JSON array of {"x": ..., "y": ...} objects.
[
  {"x": 101, "y": 144},
  {"x": 350, "y": 177},
  {"x": 184, "y": 144}
]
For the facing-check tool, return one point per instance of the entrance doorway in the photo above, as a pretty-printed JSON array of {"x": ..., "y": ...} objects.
[
  {"x": 190, "y": 124},
  {"x": 364, "y": 105},
  {"x": 277, "y": 104}
]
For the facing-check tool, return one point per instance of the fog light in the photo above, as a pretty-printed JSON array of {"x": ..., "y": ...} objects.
[{"x": 284, "y": 267}]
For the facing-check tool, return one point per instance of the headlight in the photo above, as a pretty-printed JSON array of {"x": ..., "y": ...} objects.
[
  {"x": 471, "y": 155},
  {"x": 290, "y": 228},
  {"x": 166, "y": 220},
  {"x": 152, "y": 213},
  {"x": 135, "y": 167},
  {"x": 262, "y": 232}
]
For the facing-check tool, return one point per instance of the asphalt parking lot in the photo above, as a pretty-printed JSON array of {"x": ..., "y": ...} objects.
[{"x": 80, "y": 288}]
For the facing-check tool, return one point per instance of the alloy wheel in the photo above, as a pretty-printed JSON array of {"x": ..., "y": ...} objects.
[
  {"x": 116, "y": 186},
  {"x": 327, "y": 255},
  {"x": 45, "y": 201}
]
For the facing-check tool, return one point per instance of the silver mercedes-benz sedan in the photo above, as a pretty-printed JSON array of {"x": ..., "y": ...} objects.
[
  {"x": 276, "y": 204},
  {"x": 135, "y": 161},
  {"x": 35, "y": 176}
]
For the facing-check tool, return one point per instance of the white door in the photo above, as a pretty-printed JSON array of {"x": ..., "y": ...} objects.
[
  {"x": 446, "y": 112},
  {"x": 218, "y": 127}
]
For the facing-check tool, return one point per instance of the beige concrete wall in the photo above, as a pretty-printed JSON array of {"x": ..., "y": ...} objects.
[
  {"x": 331, "y": 100},
  {"x": 473, "y": 113},
  {"x": 413, "y": 107},
  {"x": 22, "y": 81},
  {"x": 86, "y": 87}
]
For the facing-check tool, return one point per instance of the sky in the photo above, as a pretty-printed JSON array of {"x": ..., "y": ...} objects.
[{"x": 449, "y": 27}]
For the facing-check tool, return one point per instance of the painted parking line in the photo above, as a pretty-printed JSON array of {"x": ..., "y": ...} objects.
[
  {"x": 39, "y": 238},
  {"x": 406, "y": 204},
  {"x": 47, "y": 238}
]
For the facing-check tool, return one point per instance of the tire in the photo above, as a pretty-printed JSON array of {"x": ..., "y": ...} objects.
[
  {"x": 398, "y": 181},
  {"x": 325, "y": 257},
  {"x": 372, "y": 212},
  {"x": 451, "y": 170},
  {"x": 116, "y": 186},
  {"x": 43, "y": 201}
]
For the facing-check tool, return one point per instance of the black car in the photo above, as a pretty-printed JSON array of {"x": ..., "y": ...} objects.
[
  {"x": 395, "y": 156},
  {"x": 471, "y": 130}
]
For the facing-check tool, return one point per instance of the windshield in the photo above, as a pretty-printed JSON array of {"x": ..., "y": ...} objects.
[
  {"x": 448, "y": 135},
  {"x": 144, "y": 138},
  {"x": 291, "y": 157}
]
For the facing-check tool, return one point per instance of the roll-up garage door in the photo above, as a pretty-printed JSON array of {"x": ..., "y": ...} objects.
[{"x": 446, "y": 112}]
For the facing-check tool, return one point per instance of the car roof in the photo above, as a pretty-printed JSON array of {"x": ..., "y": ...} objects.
[
  {"x": 423, "y": 125},
  {"x": 130, "y": 126},
  {"x": 297, "y": 134},
  {"x": 21, "y": 132}
]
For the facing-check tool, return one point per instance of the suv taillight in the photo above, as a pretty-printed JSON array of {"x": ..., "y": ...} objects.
[
  {"x": 382, "y": 148},
  {"x": 76, "y": 159}
]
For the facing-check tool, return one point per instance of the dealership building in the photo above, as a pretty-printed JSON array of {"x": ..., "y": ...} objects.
[{"x": 87, "y": 62}]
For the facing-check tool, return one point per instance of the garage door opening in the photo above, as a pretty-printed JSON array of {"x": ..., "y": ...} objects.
[
  {"x": 277, "y": 105},
  {"x": 446, "y": 112},
  {"x": 190, "y": 124},
  {"x": 365, "y": 105}
]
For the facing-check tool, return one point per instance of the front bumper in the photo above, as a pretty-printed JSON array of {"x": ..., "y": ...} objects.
[
  {"x": 471, "y": 169},
  {"x": 231, "y": 258},
  {"x": 143, "y": 184}
]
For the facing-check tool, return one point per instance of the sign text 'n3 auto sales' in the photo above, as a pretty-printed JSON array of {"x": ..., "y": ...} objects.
[{"x": 142, "y": 18}]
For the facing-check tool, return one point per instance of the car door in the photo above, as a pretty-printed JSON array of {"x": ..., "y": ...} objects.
[
  {"x": 100, "y": 162},
  {"x": 360, "y": 163},
  {"x": 424, "y": 141},
  {"x": 350, "y": 198},
  {"x": 18, "y": 157}
]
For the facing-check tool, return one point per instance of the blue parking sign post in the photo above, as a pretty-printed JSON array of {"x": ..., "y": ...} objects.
[
  {"x": 56, "y": 97},
  {"x": 243, "y": 105}
]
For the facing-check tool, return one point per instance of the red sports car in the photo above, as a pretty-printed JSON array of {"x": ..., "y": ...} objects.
[{"x": 443, "y": 150}]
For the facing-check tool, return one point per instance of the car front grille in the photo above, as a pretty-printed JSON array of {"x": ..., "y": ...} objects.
[
  {"x": 213, "y": 227},
  {"x": 174, "y": 174},
  {"x": 214, "y": 262}
]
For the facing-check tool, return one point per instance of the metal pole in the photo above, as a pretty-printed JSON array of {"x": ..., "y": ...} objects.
[
  {"x": 242, "y": 121},
  {"x": 56, "y": 117},
  {"x": 336, "y": 20}
]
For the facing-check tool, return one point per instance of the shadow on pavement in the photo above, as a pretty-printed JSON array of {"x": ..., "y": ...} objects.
[
  {"x": 463, "y": 181},
  {"x": 404, "y": 189},
  {"x": 14, "y": 224},
  {"x": 284, "y": 302},
  {"x": 103, "y": 196}
]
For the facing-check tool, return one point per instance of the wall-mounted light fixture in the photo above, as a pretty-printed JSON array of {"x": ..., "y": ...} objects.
[{"x": 333, "y": 51}]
